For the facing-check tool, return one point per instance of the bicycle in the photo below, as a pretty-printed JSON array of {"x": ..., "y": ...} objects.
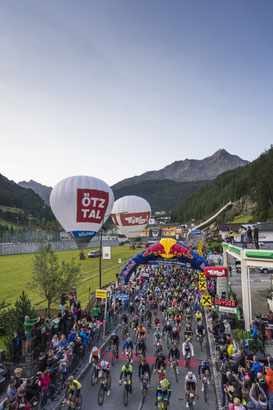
[
  {"x": 144, "y": 386},
  {"x": 103, "y": 389},
  {"x": 125, "y": 331},
  {"x": 200, "y": 338},
  {"x": 191, "y": 400},
  {"x": 162, "y": 404},
  {"x": 168, "y": 340},
  {"x": 205, "y": 384},
  {"x": 127, "y": 388},
  {"x": 173, "y": 365},
  {"x": 73, "y": 404},
  {"x": 94, "y": 373},
  {"x": 114, "y": 355},
  {"x": 188, "y": 361},
  {"x": 158, "y": 348}
]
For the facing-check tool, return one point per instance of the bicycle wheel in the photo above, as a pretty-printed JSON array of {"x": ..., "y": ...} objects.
[
  {"x": 174, "y": 368},
  {"x": 101, "y": 395},
  {"x": 125, "y": 395},
  {"x": 93, "y": 376},
  {"x": 113, "y": 358},
  {"x": 168, "y": 343},
  {"x": 201, "y": 342},
  {"x": 205, "y": 391},
  {"x": 123, "y": 334}
]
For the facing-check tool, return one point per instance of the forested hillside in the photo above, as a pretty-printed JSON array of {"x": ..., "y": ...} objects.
[
  {"x": 23, "y": 201},
  {"x": 162, "y": 195},
  {"x": 254, "y": 180}
]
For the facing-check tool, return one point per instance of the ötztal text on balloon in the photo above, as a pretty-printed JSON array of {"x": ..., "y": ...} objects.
[{"x": 91, "y": 205}]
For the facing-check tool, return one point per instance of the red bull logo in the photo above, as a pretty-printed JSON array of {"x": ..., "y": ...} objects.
[{"x": 168, "y": 248}]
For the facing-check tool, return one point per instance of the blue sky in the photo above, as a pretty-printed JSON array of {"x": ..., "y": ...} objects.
[{"x": 115, "y": 88}]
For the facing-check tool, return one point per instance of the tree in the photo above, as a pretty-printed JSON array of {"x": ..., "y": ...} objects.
[
  {"x": 50, "y": 278},
  {"x": 13, "y": 319}
]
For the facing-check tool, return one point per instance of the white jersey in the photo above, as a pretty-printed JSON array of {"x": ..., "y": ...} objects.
[
  {"x": 188, "y": 380},
  {"x": 190, "y": 347}
]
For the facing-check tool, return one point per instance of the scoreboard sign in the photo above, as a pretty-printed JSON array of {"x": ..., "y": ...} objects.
[
  {"x": 216, "y": 272},
  {"x": 223, "y": 302}
]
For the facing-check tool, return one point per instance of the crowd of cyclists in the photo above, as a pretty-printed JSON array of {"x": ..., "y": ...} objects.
[{"x": 168, "y": 301}]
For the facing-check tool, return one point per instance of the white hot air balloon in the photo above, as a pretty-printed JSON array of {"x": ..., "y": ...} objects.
[
  {"x": 131, "y": 214},
  {"x": 81, "y": 204}
]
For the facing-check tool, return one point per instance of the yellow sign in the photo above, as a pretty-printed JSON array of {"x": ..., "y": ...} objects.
[
  {"x": 202, "y": 276},
  {"x": 202, "y": 285},
  {"x": 102, "y": 294},
  {"x": 199, "y": 250},
  {"x": 206, "y": 300}
]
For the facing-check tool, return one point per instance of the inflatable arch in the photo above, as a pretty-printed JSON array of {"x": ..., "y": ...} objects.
[{"x": 166, "y": 249}]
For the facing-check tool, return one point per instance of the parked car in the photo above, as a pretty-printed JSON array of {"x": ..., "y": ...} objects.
[
  {"x": 94, "y": 254},
  {"x": 265, "y": 270},
  {"x": 269, "y": 300},
  {"x": 4, "y": 376}
]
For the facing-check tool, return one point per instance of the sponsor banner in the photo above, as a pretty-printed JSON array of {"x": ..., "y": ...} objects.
[
  {"x": 155, "y": 232},
  {"x": 196, "y": 232},
  {"x": 202, "y": 276},
  {"x": 81, "y": 234},
  {"x": 136, "y": 218},
  {"x": 106, "y": 252},
  {"x": 101, "y": 294},
  {"x": 227, "y": 309},
  {"x": 216, "y": 272},
  {"x": 91, "y": 205},
  {"x": 224, "y": 302},
  {"x": 121, "y": 296}
]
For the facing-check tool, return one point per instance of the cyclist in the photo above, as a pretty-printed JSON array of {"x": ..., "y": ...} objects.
[
  {"x": 174, "y": 356},
  {"x": 163, "y": 392},
  {"x": 175, "y": 335},
  {"x": 200, "y": 330},
  {"x": 140, "y": 332},
  {"x": 156, "y": 322},
  {"x": 188, "y": 331},
  {"x": 170, "y": 312},
  {"x": 124, "y": 319},
  {"x": 95, "y": 354},
  {"x": 188, "y": 314},
  {"x": 198, "y": 316},
  {"x": 74, "y": 388},
  {"x": 187, "y": 348},
  {"x": 104, "y": 370},
  {"x": 178, "y": 320},
  {"x": 114, "y": 341},
  {"x": 127, "y": 372},
  {"x": 141, "y": 347},
  {"x": 190, "y": 384},
  {"x": 128, "y": 348},
  {"x": 135, "y": 323},
  {"x": 160, "y": 361},
  {"x": 144, "y": 371},
  {"x": 149, "y": 316},
  {"x": 204, "y": 369},
  {"x": 157, "y": 338}
]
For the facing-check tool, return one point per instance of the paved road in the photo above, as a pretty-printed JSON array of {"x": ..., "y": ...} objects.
[{"x": 115, "y": 400}]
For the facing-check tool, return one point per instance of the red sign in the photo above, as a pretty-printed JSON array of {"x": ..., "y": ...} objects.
[
  {"x": 216, "y": 272},
  {"x": 91, "y": 205},
  {"x": 223, "y": 302}
]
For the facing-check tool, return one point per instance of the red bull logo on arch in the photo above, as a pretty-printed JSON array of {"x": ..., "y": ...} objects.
[{"x": 167, "y": 248}]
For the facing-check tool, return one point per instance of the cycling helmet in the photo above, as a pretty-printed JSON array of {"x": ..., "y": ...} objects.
[
  {"x": 188, "y": 325},
  {"x": 160, "y": 354},
  {"x": 102, "y": 363},
  {"x": 70, "y": 379},
  {"x": 164, "y": 384},
  {"x": 190, "y": 375},
  {"x": 187, "y": 342},
  {"x": 127, "y": 365},
  {"x": 173, "y": 347},
  {"x": 95, "y": 349},
  {"x": 168, "y": 323},
  {"x": 114, "y": 334},
  {"x": 174, "y": 329}
]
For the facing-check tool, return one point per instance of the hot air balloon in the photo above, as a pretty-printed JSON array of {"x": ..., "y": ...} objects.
[
  {"x": 81, "y": 204},
  {"x": 131, "y": 214}
]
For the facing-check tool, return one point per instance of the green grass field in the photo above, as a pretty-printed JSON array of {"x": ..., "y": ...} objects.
[{"x": 15, "y": 273}]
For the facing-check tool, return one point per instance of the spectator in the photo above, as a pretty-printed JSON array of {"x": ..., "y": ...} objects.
[
  {"x": 249, "y": 236},
  {"x": 256, "y": 365},
  {"x": 72, "y": 296},
  {"x": 48, "y": 332},
  {"x": 31, "y": 390},
  {"x": 258, "y": 397},
  {"x": 46, "y": 386},
  {"x": 237, "y": 404},
  {"x": 64, "y": 298},
  {"x": 227, "y": 327},
  {"x": 12, "y": 390},
  {"x": 5, "y": 405},
  {"x": 54, "y": 342},
  {"x": 243, "y": 236},
  {"x": 71, "y": 335},
  {"x": 269, "y": 382},
  {"x": 15, "y": 347},
  {"x": 254, "y": 333},
  {"x": 28, "y": 325},
  {"x": 256, "y": 236},
  {"x": 23, "y": 401},
  {"x": 18, "y": 376}
]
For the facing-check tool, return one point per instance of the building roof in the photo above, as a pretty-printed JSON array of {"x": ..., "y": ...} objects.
[
  {"x": 229, "y": 227},
  {"x": 265, "y": 226}
]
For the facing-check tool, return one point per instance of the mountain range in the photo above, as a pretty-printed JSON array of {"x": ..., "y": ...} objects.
[
  {"x": 165, "y": 189},
  {"x": 189, "y": 169}
]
